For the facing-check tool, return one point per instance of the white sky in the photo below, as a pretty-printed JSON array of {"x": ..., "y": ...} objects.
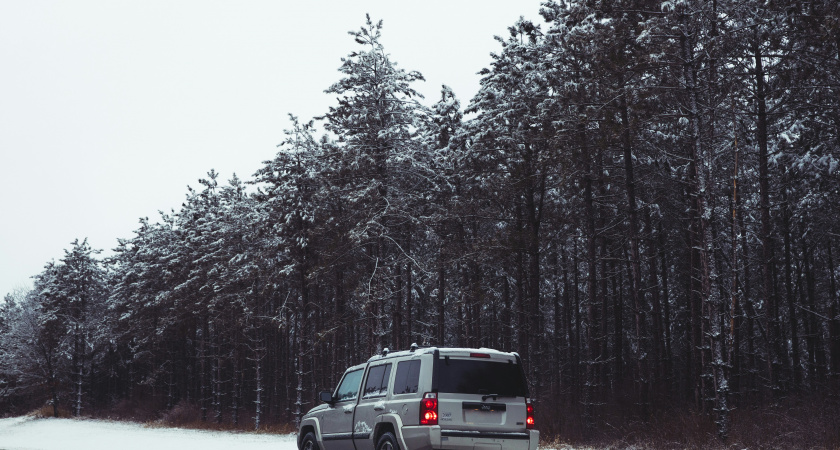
[{"x": 109, "y": 109}]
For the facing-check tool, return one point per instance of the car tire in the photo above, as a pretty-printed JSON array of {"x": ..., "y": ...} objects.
[
  {"x": 309, "y": 442},
  {"x": 387, "y": 442}
]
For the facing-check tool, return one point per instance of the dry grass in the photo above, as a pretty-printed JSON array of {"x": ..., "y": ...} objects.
[
  {"x": 795, "y": 423},
  {"x": 47, "y": 411},
  {"x": 804, "y": 422},
  {"x": 183, "y": 415},
  {"x": 188, "y": 415},
  {"x": 279, "y": 428},
  {"x": 130, "y": 410}
]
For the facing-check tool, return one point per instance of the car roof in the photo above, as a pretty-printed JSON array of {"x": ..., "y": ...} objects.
[{"x": 452, "y": 351}]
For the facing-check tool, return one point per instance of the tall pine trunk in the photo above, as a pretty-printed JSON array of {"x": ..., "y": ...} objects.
[
  {"x": 834, "y": 324},
  {"x": 636, "y": 292},
  {"x": 710, "y": 295},
  {"x": 591, "y": 297},
  {"x": 796, "y": 371},
  {"x": 766, "y": 232}
]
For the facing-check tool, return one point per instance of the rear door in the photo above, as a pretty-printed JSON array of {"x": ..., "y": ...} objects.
[
  {"x": 480, "y": 392},
  {"x": 371, "y": 404}
]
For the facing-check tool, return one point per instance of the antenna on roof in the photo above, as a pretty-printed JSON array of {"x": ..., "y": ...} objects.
[
  {"x": 414, "y": 347},
  {"x": 385, "y": 351}
]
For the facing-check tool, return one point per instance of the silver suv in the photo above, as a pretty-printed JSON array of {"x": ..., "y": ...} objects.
[{"x": 426, "y": 398}]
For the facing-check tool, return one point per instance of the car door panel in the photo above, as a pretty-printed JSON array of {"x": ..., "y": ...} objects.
[
  {"x": 337, "y": 419},
  {"x": 372, "y": 404}
]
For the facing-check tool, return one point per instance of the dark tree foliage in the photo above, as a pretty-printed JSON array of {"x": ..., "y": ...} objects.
[{"x": 642, "y": 200}]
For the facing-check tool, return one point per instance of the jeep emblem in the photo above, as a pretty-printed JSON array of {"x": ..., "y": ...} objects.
[{"x": 486, "y": 407}]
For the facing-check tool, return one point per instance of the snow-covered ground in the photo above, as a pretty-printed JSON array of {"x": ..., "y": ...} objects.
[{"x": 26, "y": 433}]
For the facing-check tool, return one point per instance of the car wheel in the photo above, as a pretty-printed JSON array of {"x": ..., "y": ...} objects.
[
  {"x": 309, "y": 442},
  {"x": 387, "y": 442}
]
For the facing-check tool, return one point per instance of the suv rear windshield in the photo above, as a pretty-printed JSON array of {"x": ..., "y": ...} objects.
[{"x": 470, "y": 376}]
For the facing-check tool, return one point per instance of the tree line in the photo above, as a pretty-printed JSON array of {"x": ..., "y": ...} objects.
[{"x": 642, "y": 200}]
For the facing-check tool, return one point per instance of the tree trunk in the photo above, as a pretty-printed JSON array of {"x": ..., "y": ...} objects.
[
  {"x": 557, "y": 331},
  {"x": 796, "y": 372},
  {"x": 409, "y": 292},
  {"x": 749, "y": 310},
  {"x": 396, "y": 311},
  {"x": 618, "y": 327},
  {"x": 205, "y": 332},
  {"x": 708, "y": 273},
  {"x": 636, "y": 293},
  {"x": 534, "y": 198},
  {"x": 766, "y": 234},
  {"x": 441, "y": 297},
  {"x": 735, "y": 317},
  {"x": 258, "y": 388},
  {"x": 520, "y": 283},
  {"x": 654, "y": 288},
  {"x": 568, "y": 313},
  {"x": 666, "y": 313},
  {"x": 604, "y": 350},
  {"x": 236, "y": 391},
  {"x": 816, "y": 349},
  {"x": 507, "y": 316},
  {"x": 834, "y": 324},
  {"x": 591, "y": 297}
]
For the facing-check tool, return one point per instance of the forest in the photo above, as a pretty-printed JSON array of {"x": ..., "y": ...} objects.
[{"x": 643, "y": 200}]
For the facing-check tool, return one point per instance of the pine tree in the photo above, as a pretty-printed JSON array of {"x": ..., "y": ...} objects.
[{"x": 374, "y": 163}]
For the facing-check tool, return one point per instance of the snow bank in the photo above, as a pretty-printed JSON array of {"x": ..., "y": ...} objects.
[{"x": 25, "y": 433}]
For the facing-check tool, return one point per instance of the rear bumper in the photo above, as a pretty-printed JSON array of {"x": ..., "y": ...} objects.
[{"x": 433, "y": 438}]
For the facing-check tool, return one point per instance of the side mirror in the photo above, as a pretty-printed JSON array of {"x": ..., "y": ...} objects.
[{"x": 325, "y": 397}]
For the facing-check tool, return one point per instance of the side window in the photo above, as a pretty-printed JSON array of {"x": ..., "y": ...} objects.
[
  {"x": 408, "y": 377},
  {"x": 377, "y": 381},
  {"x": 349, "y": 388}
]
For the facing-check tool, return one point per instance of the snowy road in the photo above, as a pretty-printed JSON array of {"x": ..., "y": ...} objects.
[{"x": 25, "y": 433}]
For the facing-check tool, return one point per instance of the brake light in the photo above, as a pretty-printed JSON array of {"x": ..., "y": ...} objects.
[
  {"x": 479, "y": 355},
  {"x": 529, "y": 419},
  {"x": 429, "y": 409}
]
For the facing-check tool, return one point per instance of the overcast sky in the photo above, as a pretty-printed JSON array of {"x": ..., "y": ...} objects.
[{"x": 109, "y": 109}]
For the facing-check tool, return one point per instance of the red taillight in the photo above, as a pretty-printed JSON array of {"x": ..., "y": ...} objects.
[
  {"x": 529, "y": 419},
  {"x": 429, "y": 409},
  {"x": 479, "y": 355}
]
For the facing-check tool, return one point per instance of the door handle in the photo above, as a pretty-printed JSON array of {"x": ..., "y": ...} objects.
[
  {"x": 348, "y": 411},
  {"x": 379, "y": 408}
]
